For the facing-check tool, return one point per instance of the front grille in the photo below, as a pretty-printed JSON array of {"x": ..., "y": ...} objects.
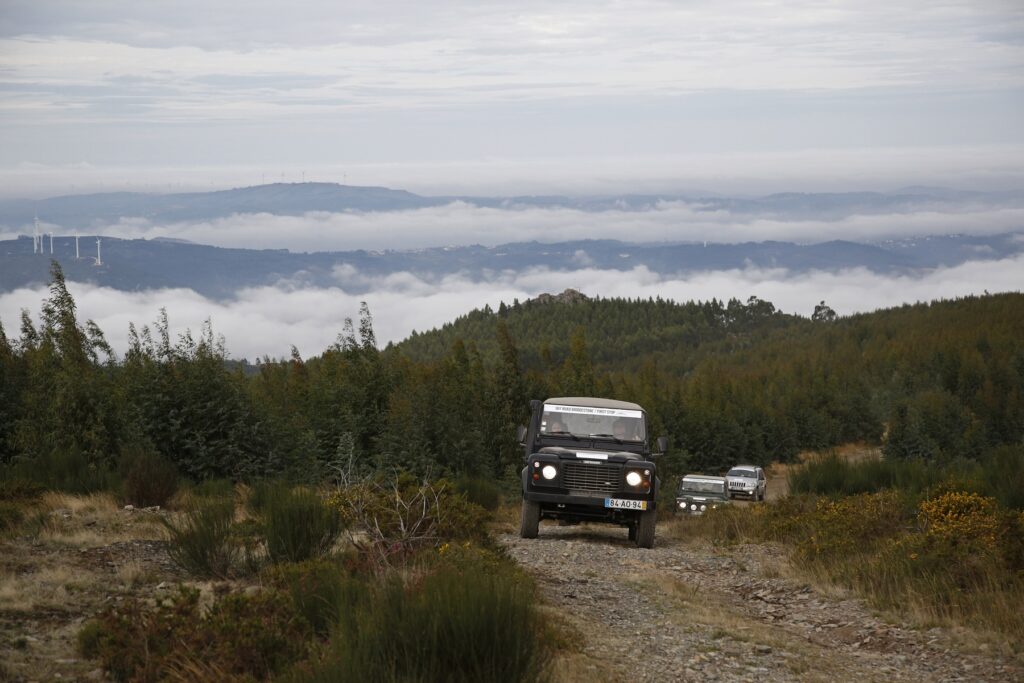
[{"x": 580, "y": 476}]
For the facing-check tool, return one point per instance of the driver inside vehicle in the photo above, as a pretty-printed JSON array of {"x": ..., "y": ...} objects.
[
  {"x": 619, "y": 429},
  {"x": 556, "y": 426}
]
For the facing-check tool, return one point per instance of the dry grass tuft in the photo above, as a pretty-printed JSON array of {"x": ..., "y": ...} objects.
[
  {"x": 47, "y": 588},
  {"x": 505, "y": 519},
  {"x": 90, "y": 521},
  {"x": 92, "y": 504},
  {"x": 134, "y": 574}
]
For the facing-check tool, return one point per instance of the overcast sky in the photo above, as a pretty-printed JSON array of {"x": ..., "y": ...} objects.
[{"x": 525, "y": 96}]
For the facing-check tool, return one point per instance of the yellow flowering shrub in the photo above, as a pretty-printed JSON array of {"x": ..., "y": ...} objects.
[
  {"x": 850, "y": 525},
  {"x": 962, "y": 518}
]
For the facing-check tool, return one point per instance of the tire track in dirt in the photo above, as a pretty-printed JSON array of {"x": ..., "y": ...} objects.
[{"x": 696, "y": 612}]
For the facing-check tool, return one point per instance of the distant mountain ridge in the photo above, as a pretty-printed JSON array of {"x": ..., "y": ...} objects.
[
  {"x": 278, "y": 198},
  {"x": 91, "y": 210},
  {"x": 220, "y": 272}
]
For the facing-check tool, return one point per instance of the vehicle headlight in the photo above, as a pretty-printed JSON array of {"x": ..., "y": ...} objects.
[
  {"x": 549, "y": 472},
  {"x": 693, "y": 506},
  {"x": 703, "y": 508},
  {"x": 682, "y": 505},
  {"x": 633, "y": 478}
]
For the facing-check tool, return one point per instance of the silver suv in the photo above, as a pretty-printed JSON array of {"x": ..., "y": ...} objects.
[{"x": 746, "y": 481}]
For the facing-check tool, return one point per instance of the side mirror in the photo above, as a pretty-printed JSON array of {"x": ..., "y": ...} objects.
[
  {"x": 662, "y": 444},
  {"x": 521, "y": 435}
]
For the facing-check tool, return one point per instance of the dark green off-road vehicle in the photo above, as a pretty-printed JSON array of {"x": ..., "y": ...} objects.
[
  {"x": 698, "y": 493},
  {"x": 588, "y": 459}
]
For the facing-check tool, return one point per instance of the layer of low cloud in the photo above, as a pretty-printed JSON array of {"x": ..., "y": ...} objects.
[
  {"x": 460, "y": 223},
  {"x": 269, "y": 320}
]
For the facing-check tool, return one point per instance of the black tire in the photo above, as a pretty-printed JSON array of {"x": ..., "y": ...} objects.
[
  {"x": 632, "y": 532},
  {"x": 529, "y": 520},
  {"x": 645, "y": 529}
]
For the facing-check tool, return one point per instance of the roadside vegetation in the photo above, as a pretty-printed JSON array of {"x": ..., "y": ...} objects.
[
  {"x": 382, "y": 580},
  {"x": 939, "y": 543}
]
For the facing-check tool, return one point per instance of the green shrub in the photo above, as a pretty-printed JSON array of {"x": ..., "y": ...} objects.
[
  {"x": 322, "y": 591},
  {"x": 18, "y": 488},
  {"x": 839, "y": 529},
  {"x": 480, "y": 491},
  {"x": 149, "y": 480},
  {"x": 298, "y": 525},
  {"x": 832, "y": 474},
  {"x": 214, "y": 488},
  {"x": 460, "y": 623},
  {"x": 64, "y": 469},
  {"x": 1003, "y": 476},
  {"x": 202, "y": 541},
  {"x": 261, "y": 492},
  {"x": 999, "y": 474},
  {"x": 11, "y": 515},
  {"x": 397, "y": 519},
  {"x": 18, "y": 497},
  {"x": 243, "y": 635},
  {"x": 90, "y": 640}
]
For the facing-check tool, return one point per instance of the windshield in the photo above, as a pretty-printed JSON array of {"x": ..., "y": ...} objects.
[
  {"x": 749, "y": 474},
  {"x": 701, "y": 486},
  {"x": 583, "y": 421}
]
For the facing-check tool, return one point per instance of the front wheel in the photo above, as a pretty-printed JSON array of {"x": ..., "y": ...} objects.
[
  {"x": 645, "y": 529},
  {"x": 529, "y": 520}
]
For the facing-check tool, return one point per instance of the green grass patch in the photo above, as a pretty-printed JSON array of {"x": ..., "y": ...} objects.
[
  {"x": 297, "y": 524},
  {"x": 999, "y": 474},
  {"x": 472, "y": 617},
  {"x": 323, "y": 592},
  {"x": 202, "y": 539}
]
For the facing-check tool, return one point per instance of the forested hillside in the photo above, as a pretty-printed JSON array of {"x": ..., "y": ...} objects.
[{"x": 727, "y": 382}]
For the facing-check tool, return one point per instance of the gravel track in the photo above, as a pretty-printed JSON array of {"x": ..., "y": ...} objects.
[{"x": 692, "y": 612}]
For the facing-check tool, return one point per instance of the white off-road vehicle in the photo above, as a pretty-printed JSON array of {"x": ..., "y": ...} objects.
[{"x": 747, "y": 481}]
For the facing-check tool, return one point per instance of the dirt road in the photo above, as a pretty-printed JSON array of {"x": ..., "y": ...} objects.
[{"x": 691, "y": 612}]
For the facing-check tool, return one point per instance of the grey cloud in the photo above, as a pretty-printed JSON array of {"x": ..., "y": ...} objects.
[
  {"x": 459, "y": 223},
  {"x": 461, "y": 54},
  {"x": 750, "y": 172}
]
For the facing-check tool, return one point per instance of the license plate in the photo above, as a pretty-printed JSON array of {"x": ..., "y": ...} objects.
[{"x": 624, "y": 504}]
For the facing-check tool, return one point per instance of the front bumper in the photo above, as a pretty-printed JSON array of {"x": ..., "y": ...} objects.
[
  {"x": 556, "y": 505},
  {"x": 683, "y": 506}
]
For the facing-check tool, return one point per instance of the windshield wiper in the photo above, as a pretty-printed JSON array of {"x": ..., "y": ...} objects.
[
  {"x": 561, "y": 433},
  {"x": 607, "y": 436}
]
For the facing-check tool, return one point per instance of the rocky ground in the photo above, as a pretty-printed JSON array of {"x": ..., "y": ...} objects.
[
  {"x": 684, "y": 611},
  {"x": 81, "y": 554},
  {"x": 693, "y": 612}
]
